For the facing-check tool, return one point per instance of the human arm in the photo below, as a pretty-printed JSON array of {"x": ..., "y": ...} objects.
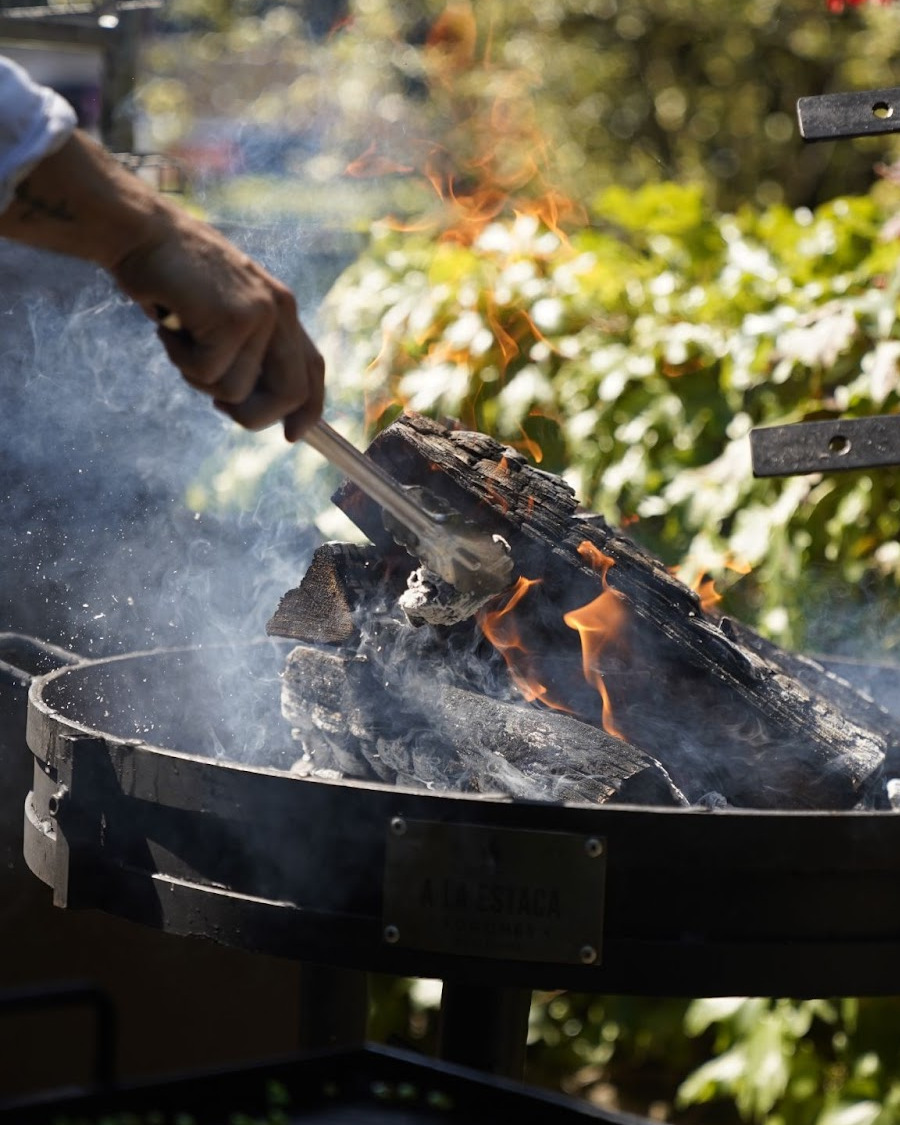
[{"x": 241, "y": 340}]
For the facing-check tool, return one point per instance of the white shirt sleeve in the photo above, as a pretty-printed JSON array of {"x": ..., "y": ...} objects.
[{"x": 34, "y": 122}]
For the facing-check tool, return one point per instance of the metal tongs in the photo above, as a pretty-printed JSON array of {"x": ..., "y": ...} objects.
[{"x": 473, "y": 561}]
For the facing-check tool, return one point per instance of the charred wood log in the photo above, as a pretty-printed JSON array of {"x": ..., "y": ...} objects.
[
  {"x": 830, "y": 681},
  {"x": 348, "y": 720},
  {"x": 344, "y": 582},
  {"x": 719, "y": 716}
]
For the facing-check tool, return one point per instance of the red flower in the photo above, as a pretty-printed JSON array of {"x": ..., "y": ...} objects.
[{"x": 839, "y": 5}]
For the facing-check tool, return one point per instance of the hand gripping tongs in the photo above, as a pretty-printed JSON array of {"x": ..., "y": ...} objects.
[{"x": 471, "y": 560}]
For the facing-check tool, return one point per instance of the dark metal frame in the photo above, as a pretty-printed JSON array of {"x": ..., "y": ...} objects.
[
  {"x": 841, "y": 444},
  {"x": 78, "y": 23},
  {"x": 372, "y": 1084},
  {"x": 695, "y": 902}
]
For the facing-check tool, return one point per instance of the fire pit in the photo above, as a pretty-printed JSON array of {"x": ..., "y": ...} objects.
[
  {"x": 130, "y": 813},
  {"x": 166, "y": 791}
]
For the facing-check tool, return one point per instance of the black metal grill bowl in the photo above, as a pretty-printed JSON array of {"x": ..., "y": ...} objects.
[{"x": 132, "y": 813}]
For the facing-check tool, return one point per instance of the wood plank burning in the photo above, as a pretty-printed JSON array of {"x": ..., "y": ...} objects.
[
  {"x": 599, "y": 636},
  {"x": 452, "y": 738}
]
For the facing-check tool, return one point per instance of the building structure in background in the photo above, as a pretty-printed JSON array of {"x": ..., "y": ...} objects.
[{"x": 87, "y": 52}]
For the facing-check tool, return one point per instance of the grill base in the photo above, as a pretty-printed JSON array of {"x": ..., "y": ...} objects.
[{"x": 365, "y": 1086}]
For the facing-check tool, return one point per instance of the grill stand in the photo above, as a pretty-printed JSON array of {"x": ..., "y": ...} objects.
[
  {"x": 494, "y": 898},
  {"x": 333, "y": 1010},
  {"x": 485, "y": 1028},
  {"x": 482, "y": 1028}
]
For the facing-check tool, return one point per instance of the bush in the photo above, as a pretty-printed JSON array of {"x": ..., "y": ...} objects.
[{"x": 634, "y": 356}]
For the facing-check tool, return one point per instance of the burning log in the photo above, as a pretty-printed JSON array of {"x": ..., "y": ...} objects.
[
  {"x": 595, "y": 629},
  {"x": 823, "y": 680},
  {"x": 452, "y": 738}
]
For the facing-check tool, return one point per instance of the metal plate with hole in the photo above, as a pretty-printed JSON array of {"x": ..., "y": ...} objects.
[
  {"x": 832, "y": 446},
  {"x": 494, "y": 892},
  {"x": 863, "y": 113}
]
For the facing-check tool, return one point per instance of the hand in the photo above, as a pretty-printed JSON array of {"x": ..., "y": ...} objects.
[
  {"x": 241, "y": 343},
  {"x": 238, "y": 337}
]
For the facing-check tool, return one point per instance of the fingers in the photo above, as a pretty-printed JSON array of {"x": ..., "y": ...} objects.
[
  {"x": 233, "y": 331},
  {"x": 227, "y": 372},
  {"x": 262, "y": 369},
  {"x": 220, "y": 349},
  {"x": 288, "y": 386}
]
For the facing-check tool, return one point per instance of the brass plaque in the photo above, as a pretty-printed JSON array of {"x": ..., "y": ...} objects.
[{"x": 494, "y": 892}]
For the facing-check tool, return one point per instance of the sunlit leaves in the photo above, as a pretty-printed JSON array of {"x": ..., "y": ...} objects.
[{"x": 639, "y": 351}]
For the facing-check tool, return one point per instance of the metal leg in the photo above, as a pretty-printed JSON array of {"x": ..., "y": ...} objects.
[
  {"x": 334, "y": 1007},
  {"x": 485, "y": 1028}
]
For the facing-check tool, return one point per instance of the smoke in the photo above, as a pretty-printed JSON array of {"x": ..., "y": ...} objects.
[
  {"x": 102, "y": 442},
  {"x": 103, "y": 555}
]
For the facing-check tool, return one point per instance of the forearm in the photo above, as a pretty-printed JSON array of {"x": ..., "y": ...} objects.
[
  {"x": 80, "y": 201},
  {"x": 241, "y": 342}
]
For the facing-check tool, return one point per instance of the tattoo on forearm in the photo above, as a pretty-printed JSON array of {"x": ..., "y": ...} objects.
[{"x": 37, "y": 207}]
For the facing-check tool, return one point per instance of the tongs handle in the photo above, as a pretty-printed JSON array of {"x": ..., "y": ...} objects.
[{"x": 372, "y": 479}]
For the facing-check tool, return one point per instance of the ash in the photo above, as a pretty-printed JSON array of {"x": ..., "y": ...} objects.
[{"x": 429, "y": 600}]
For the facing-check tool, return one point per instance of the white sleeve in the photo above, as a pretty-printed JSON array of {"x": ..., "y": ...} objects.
[{"x": 34, "y": 122}]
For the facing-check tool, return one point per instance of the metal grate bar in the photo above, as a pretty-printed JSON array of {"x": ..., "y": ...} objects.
[
  {"x": 864, "y": 113},
  {"x": 829, "y": 446}
]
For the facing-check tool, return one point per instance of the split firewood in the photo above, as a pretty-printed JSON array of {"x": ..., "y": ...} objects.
[
  {"x": 830, "y": 682},
  {"x": 357, "y": 719},
  {"x": 344, "y": 581},
  {"x": 602, "y": 631}
]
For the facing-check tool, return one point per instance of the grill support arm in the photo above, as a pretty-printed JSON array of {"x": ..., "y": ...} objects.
[
  {"x": 484, "y": 1028},
  {"x": 334, "y": 1006}
]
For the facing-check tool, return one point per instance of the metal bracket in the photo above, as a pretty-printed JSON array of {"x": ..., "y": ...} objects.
[
  {"x": 863, "y": 113},
  {"x": 77, "y": 828},
  {"x": 830, "y": 446}
]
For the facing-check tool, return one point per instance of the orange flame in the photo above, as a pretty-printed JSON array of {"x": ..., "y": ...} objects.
[
  {"x": 450, "y": 46},
  {"x": 507, "y": 343},
  {"x": 599, "y": 624},
  {"x": 494, "y": 157},
  {"x": 709, "y": 595},
  {"x": 492, "y": 162},
  {"x": 703, "y": 584},
  {"x": 370, "y": 163},
  {"x": 533, "y": 450},
  {"x": 493, "y": 495},
  {"x": 502, "y": 630},
  {"x": 340, "y": 25}
]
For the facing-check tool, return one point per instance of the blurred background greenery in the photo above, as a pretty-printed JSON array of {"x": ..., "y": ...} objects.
[{"x": 591, "y": 229}]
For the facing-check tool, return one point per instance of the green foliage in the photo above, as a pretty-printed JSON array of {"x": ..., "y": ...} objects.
[
  {"x": 811, "y": 1062},
  {"x": 632, "y": 92},
  {"x": 634, "y": 356}
]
